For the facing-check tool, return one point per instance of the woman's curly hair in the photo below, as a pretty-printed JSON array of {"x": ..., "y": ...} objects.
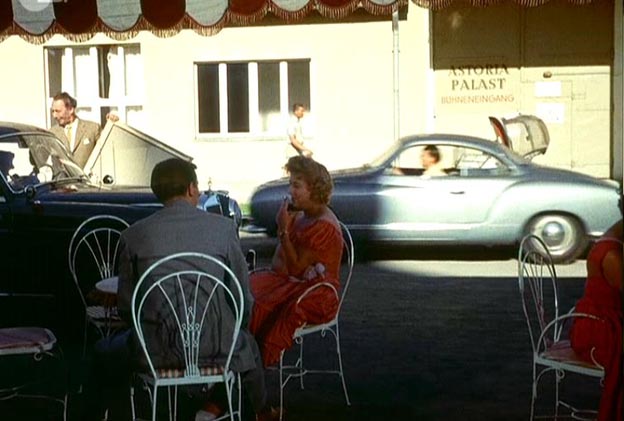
[{"x": 315, "y": 174}]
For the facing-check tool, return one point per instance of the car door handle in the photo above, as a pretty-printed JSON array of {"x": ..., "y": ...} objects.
[{"x": 457, "y": 192}]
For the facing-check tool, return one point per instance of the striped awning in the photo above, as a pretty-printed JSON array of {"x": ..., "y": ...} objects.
[
  {"x": 441, "y": 4},
  {"x": 79, "y": 20}
]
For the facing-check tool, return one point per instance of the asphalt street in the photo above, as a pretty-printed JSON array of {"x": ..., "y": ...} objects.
[
  {"x": 434, "y": 335},
  {"x": 422, "y": 339}
]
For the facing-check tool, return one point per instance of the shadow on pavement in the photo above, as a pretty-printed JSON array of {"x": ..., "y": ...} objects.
[{"x": 417, "y": 347}]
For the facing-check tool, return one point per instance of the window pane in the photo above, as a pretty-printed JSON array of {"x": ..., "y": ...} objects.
[
  {"x": 135, "y": 117},
  {"x": 86, "y": 77},
  {"x": 208, "y": 98},
  {"x": 299, "y": 83},
  {"x": 54, "y": 71},
  {"x": 104, "y": 68},
  {"x": 269, "y": 96},
  {"x": 133, "y": 71},
  {"x": 238, "y": 97}
]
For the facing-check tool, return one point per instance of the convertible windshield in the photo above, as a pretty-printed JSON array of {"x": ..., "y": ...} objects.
[{"x": 33, "y": 158}]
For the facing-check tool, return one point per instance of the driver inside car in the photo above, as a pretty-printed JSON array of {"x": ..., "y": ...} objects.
[{"x": 430, "y": 158}]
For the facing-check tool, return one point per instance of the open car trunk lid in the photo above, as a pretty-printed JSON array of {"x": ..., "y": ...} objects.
[{"x": 527, "y": 135}]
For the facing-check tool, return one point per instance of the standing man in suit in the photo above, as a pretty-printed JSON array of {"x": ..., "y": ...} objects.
[
  {"x": 78, "y": 135},
  {"x": 178, "y": 227}
]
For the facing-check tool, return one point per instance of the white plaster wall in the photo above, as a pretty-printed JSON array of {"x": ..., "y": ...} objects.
[
  {"x": 351, "y": 93},
  {"x": 22, "y": 82}
]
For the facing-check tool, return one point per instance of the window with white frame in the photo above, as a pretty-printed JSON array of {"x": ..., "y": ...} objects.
[
  {"x": 102, "y": 78},
  {"x": 253, "y": 98}
]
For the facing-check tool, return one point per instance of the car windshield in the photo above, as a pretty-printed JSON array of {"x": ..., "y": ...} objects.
[
  {"x": 385, "y": 156},
  {"x": 125, "y": 156},
  {"x": 30, "y": 158}
]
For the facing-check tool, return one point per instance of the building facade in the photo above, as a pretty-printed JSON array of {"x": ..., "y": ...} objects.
[{"x": 225, "y": 99}]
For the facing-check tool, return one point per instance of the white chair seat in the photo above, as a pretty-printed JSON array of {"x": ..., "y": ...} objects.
[
  {"x": 34, "y": 342},
  {"x": 562, "y": 353},
  {"x": 102, "y": 313},
  {"x": 25, "y": 340},
  {"x": 173, "y": 373},
  {"x": 309, "y": 328}
]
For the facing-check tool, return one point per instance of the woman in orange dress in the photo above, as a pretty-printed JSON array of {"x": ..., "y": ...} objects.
[
  {"x": 309, "y": 252},
  {"x": 601, "y": 340}
]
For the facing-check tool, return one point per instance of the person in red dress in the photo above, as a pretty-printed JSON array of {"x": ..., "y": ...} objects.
[
  {"x": 309, "y": 252},
  {"x": 601, "y": 340}
]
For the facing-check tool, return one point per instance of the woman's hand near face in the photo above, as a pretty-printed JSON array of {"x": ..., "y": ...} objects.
[{"x": 283, "y": 218}]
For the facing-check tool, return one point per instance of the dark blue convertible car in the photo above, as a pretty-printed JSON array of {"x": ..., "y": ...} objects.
[{"x": 44, "y": 196}]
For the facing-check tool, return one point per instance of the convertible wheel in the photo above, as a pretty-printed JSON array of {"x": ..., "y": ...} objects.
[{"x": 562, "y": 234}]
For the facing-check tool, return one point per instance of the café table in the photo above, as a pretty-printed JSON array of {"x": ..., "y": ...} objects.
[
  {"x": 108, "y": 286},
  {"x": 105, "y": 294}
]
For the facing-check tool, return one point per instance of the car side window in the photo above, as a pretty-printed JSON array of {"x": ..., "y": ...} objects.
[
  {"x": 15, "y": 162},
  {"x": 409, "y": 161},
  {"x": 476, "y": 163}
]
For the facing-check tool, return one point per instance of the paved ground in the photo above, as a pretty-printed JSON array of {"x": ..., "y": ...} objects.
[{"x": 427, "y": 344}]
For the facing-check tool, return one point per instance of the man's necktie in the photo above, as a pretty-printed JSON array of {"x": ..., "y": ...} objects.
[{"x": 70, "y": 141}]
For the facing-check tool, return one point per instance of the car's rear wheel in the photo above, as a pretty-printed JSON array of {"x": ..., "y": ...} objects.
[{"x": 561, "y": 233}]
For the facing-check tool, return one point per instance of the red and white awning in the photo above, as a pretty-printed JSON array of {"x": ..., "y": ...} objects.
[{"x": 79, "y": 20}]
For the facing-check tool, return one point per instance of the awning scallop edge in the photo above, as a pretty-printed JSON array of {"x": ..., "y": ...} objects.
[{"x": 79, "y": 20}]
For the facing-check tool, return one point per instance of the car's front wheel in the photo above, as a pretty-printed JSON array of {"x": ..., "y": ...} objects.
[{"x": 562, "y": 234}]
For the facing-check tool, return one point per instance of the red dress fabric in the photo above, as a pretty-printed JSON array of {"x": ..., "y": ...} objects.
[
  {"x": 276, "y": 314},
  {"x": 604, "y": 337}
]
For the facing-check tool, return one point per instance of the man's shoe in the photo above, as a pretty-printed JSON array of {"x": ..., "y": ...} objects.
[{"x": 270, "y": 414}]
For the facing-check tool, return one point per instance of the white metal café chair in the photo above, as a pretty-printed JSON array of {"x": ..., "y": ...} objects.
[
  {"x": 37, "y": 343},
  {"x": 552, "y": 352},
  {"x": 92, "y": 256},
  {"x": 177, "y": 312},
  {"x": 299, "y": 369}
]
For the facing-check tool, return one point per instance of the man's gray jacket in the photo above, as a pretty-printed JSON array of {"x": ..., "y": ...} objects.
[{"x": 181, "y": 227}]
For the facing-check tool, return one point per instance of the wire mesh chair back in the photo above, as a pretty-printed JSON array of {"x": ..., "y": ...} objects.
[
  {"x": 348, "y": 256},
  {"x": 93, "y": 251},
  {"x": 537, "y": 280},
  {"x": 189, "y": 291}
]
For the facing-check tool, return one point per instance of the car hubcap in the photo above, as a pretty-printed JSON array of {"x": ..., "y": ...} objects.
[{"x": 558, "y": 233}]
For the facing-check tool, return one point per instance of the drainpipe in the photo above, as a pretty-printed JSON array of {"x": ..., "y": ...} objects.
[{"x": 395, "y": 69}]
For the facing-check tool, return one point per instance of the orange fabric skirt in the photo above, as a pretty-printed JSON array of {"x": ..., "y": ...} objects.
[{"x": 276, "y": 315}]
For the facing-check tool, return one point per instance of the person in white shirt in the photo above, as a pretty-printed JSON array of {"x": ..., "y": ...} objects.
[
  {"x": 430, "y": 158},
  {"x": 295, "y": 134}
]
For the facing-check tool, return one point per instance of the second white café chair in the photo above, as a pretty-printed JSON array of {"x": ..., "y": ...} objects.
[
  {"x": 180, "y": 300},
  {"x": 40, "y": 346},
  {"x": 552, "y": 352},
  {"x": 92, "y": 257}
]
